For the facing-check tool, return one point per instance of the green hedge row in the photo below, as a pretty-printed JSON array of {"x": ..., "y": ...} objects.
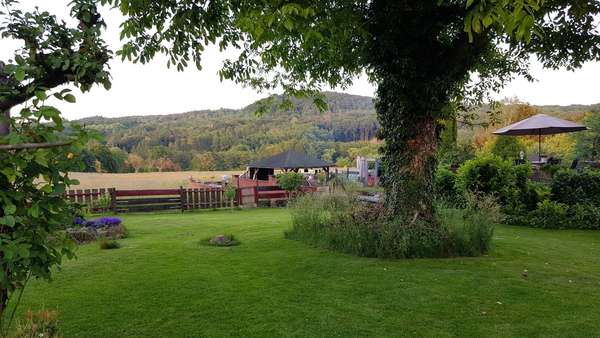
[{"x": 572, "y": 200}]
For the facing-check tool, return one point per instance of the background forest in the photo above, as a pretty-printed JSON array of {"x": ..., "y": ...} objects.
[{"x": 228, "y": 139}]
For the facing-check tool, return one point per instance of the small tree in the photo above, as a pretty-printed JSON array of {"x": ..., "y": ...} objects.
[
  {"x": 290, "y": 181},
  {"x": 507, "y": 147},
  {"x": 588, "y": 143},
  {"x": 230, "y": 193},
  {"x": 135, "y": 161},
  {"x": 36, "y": 150}
]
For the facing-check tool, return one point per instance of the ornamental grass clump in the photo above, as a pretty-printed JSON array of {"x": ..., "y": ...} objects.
[
  {"x": 470, "y": 229},
  {"x": 42, "y": 324},
  {"x": 342, "y": 223}
]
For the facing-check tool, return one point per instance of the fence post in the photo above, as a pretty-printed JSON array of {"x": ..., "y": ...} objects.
[
  {"x": 182, "y": 198},
  {"x": 113, "y": 199},
  {"x": 256, "y": 196},
  {"x": 238, "y": 196}
]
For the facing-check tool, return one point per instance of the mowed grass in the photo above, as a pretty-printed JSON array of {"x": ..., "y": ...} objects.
[
  {"x": 163, "y": 283},
  {"x": 156, "y": 180}
]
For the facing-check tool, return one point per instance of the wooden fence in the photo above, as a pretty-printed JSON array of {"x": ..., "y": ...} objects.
[
  {"x": 145, "y": 200},
  {"x": 123, "y": 201},
  {"x": 94, "y": 199}
]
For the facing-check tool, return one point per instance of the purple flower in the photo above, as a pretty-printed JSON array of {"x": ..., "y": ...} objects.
[
  {"x": 79, "y": 221},
  {"x": 107, "y": 221}
]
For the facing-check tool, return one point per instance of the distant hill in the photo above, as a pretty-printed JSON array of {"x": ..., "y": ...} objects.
[
  {"x": 232, "y": 137},
  {"x": 226, "y": 139}
]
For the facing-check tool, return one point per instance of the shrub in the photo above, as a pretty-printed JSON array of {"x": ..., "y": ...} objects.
[
  {"x": 584, "y": 216},
  {"x": 572, "y": 187},
  {"x": 290, "y": 181},
  {"x": 549, "y": 214},
  {"x": 487, "y": 175},
  {"x": 107, "y": 244},
  {"x": 230, "y": 192},
  {"x": 507, "y": 147},
  {"x": 533, "y": 194},
  {"x": 445, "y": 184},
  {"x": 102, "y": 204},
  {"x": 341, "y": 223},
  {"x": 37, "y": 325}
]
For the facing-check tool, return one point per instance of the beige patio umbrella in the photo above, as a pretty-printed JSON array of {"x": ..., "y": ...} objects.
[{"x": 540, "y": 124}]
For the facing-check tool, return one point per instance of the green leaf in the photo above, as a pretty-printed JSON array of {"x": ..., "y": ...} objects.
[
  {"x": 8, "y": 221},
  {"x": 41, "y": 95},
  {"x": 10, "y": 174},
  {"x": 59, "y": 189},
  {"x": 34, "y": 211},
  {"x": 23, "y": 251},
  {"x": 487, "y": 21},
  {"x": 49, "y": 112},
  {"x": 40, "y": 158},
  {"x": 69, "y": 98},
  {"x": 288, "y": 24},
  {"x": 20, "y": 74},
  {"x": 10, "y": 209}
]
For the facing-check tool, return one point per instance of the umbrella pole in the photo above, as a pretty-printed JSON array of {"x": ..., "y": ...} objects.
[{"x": 540, "y": 145}]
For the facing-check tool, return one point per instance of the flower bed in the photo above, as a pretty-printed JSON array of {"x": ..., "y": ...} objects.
[{"x": 85, "y": 231}]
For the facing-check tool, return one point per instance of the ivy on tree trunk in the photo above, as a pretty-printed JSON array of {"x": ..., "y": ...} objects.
[
  {"x": 408, "y": 155},
  {"x": 420, "y": 70}
]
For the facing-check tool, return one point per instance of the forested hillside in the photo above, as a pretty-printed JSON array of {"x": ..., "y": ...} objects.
[{"x": 228, "y": 139}]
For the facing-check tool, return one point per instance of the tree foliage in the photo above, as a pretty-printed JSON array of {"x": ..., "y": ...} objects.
[
  {"x": 290, "y": 181},
  {"x": 37, "y": 149},
  {"x": 587, "y": 144}
]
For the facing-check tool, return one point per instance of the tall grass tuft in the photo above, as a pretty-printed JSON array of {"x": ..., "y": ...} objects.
[
  {"x": 342, "y": 223},
  {"x": 470, "y": 229}
]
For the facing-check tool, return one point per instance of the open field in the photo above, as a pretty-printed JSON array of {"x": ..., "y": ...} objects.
[
  {"x": 153, "y": 180},
  {"x": 162, "y": 283}
]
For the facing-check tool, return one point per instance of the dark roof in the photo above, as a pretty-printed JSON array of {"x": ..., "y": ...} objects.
[{"x": 289, "y": 160}]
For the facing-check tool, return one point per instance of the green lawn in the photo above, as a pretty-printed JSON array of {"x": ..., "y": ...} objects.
[{"x": 162, "y": 283}]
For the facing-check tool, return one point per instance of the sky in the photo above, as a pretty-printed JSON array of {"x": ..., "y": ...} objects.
[{"x": 154, "y": 89}]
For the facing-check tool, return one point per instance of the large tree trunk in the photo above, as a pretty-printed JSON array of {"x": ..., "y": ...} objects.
[
  {"x": 420, "y": 59},
  {"x": 409, "y": 162}
]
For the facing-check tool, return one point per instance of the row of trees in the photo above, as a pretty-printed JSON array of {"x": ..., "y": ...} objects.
[
  {"x": 99, "y": 157},
  {"x": 459, "y": 142}
]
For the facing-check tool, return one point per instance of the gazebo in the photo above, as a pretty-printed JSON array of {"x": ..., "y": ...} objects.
[{"x": 287, "y": 161}]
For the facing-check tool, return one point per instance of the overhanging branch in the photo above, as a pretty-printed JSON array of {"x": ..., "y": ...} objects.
[{"x": 40, "y": 145}]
